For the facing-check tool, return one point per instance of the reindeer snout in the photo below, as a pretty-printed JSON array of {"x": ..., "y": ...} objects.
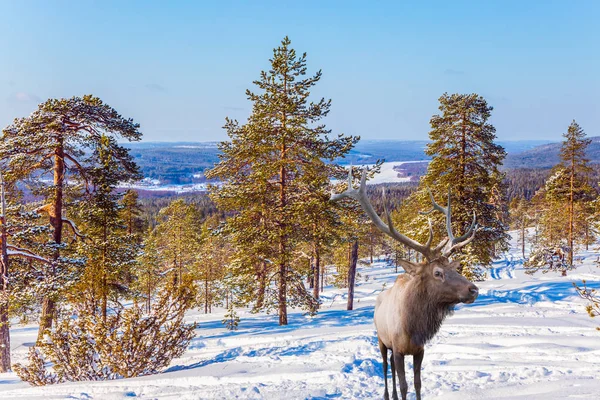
[{"x": 474, "y": 292}]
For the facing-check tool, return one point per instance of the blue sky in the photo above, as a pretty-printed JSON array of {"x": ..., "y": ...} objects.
[{"x": 179, "y": 68}]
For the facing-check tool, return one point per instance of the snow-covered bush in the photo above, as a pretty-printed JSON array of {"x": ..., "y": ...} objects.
[
  {"x": 546, "y": 259},
  {"x": 128, "y": 343}
]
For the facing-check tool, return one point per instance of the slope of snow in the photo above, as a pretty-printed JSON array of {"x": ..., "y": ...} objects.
[{"x": 524, "y": 338}]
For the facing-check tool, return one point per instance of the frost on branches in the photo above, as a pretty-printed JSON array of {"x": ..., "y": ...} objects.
[
  {"x": 552, "y": 258},
  {"x": 593, "y": 307},
  {"x": 129, "y": 343}
]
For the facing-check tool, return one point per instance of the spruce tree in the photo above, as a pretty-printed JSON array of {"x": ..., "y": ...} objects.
[
  {"x": 465, "y": 163},
  {"x": 271, "y": 167},
  {"x": 54, "y": 138}
]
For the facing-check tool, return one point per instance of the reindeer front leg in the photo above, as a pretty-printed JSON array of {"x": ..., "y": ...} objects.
[
  {"x": 383, "y": 349},
  {"x": 394, "y": 392},
  {"x": 417, "y": 361},
  {"x": 399, "y": 364}
]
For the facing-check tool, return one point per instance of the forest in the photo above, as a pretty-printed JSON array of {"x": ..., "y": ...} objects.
[{"x": 110, "y": 277}]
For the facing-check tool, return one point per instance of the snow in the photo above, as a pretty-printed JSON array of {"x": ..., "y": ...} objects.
[
  {"x": 387, "y": 173},
  {"x": 526, "y": 337}
]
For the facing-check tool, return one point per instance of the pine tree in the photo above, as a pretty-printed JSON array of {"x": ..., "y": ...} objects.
[
  {"x": 20, "y": 268},
  {"x": 54, "y": 138},
  {"x": 177, "y": 238},
  {"x": 566, "y": 189},
  {"x": 465, "y": 163},
  {"x": 575, "y": 162},
  {"x": 131, "y": 213},
  {"x": 148, "y": 270},
  {"x": 110, "y": 251},
  {"x": 211, "y": 266},
  {"x": 231, "y": 320},
  {"x": 271, "y": 168}
]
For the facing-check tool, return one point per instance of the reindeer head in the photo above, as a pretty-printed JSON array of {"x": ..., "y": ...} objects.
[
  {"x": 440, "y": 276},
  {"x": 442, "y": 280}
]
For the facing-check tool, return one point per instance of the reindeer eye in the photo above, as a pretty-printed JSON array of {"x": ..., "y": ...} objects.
[{"x": 438, "y": 274}]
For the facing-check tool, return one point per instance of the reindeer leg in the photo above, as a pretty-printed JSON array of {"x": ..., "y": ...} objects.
[
  {"x": 399, "y": 364},
  {"x": 417, "y": 361},
  {"x": 394, "y": 392},
  {"x": 383, "y": 350}
]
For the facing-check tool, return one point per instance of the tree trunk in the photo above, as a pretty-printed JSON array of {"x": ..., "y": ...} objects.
[
  {"x": 523, "y": 238},
  {"x": 149, "y": 294},
  {"x": 56, "y": 221},
  {"x": 206, "y": 294},
  {"x": 104, "y": 275},
  {"x": 282, "y": 287},
  {"x": 262, "y": 277},
  {"x": 317, "y": 272},
  {"x": 371, "y": 250},
  {"x": 352, "y": 274},
  {"x": 282, "y": 290},
  {"x": 322, "y": 278},
  {"x": 311, "y": 272},
  {"x": 571, "y": 211},
  {"x": 4, "y": 323}
]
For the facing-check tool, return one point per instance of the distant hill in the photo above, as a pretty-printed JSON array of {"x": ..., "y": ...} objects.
[
  {"x": 547, "y": 155},
  {"x": 185, "y": 162}
]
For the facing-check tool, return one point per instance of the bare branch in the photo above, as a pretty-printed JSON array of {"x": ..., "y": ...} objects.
[
  {"x": 24, "y": 253},
  {"x": 76, "y": 233}
]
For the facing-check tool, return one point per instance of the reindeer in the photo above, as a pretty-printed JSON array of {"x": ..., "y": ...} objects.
[{"x": 410, "y": 313}]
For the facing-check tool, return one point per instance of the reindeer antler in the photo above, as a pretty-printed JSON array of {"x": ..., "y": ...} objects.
[
  {"x": 453, "y": 243},
  {"x": 360, "y": 195},
  {"x": 445, "y": 248}
]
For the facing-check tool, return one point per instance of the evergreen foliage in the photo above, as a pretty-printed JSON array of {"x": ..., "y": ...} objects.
[
  {"x": 231, "y": 320},
  {"x": 273, "y": 167},
  {"x": 126, "y": 344},
  {"x": 109, "y": 249},
  {"x": 465, "y": 162},
  {"x": 54, "y": 138},
  {"x": 566, "y": 189}
]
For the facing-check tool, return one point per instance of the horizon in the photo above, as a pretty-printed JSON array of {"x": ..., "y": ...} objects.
[{"x": 180, "y": 69}]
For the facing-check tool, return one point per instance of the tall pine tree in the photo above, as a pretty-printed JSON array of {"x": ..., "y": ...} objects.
[
  {"x": 465, "y": 163},
  {"x": 54, "y": 139},
  {"x": 110, "y": 251},
  {"x": 270, "y": 169},
  {"x": 566, "y": 189}
]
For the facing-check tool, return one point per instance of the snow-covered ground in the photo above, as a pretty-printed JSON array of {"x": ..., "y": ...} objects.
[{"x": 524, "y": 338}]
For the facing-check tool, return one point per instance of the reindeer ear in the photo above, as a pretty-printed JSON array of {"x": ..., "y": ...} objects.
[
  {"x": 456, "y": 265},
  {"x": 409, "y": 267}
]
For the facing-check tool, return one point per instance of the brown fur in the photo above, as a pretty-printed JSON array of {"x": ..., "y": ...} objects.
[{"x": 411, "y": 312}]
